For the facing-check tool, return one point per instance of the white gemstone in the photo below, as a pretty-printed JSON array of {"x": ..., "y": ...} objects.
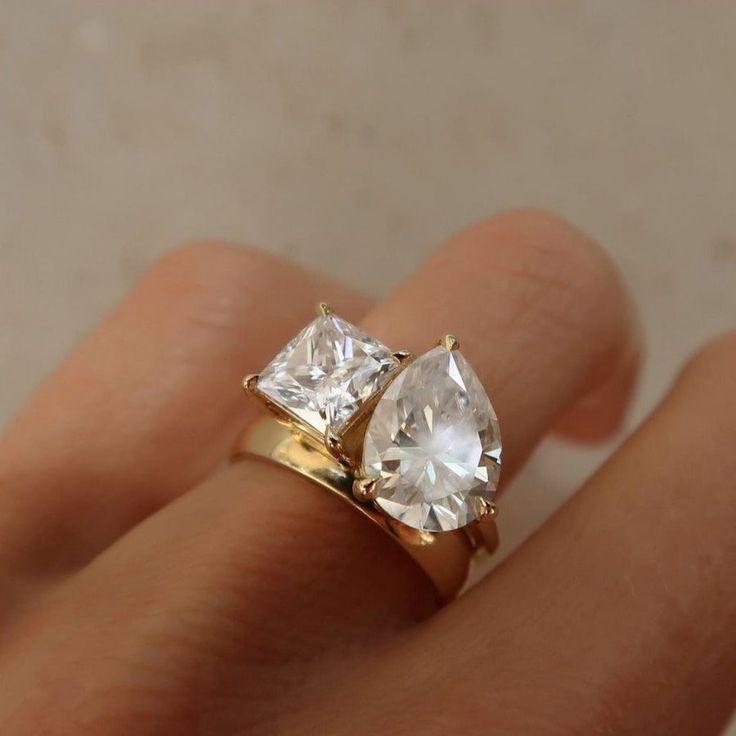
[
  {"x": 326, "y": 372},
  {"x": 434, "y": 444}
]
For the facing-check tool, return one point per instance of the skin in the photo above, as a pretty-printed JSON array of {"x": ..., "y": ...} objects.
[{"x": 143, "y": 590}]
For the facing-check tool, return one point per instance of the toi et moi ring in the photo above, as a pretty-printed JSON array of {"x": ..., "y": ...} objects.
[{"x": 411, "y": 442}]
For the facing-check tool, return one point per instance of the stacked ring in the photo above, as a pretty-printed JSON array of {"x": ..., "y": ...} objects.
[{"x": 412, "y": 442}]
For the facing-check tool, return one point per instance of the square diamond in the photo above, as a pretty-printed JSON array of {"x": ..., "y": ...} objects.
[{"x": 326, "y": 372}]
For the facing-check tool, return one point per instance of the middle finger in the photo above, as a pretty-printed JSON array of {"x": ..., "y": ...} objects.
[{"x": 543, "y": 318}]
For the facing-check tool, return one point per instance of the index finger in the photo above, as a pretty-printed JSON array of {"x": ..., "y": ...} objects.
[{"x": 149, "y": 404}]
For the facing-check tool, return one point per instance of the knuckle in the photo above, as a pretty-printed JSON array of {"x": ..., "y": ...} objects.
[
  {"x": 211, "y": 283},
  {"x": 562, "y": 269},
  {"x": 202, "y": 258}
]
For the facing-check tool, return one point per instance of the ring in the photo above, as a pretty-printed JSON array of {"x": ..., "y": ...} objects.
[{"x": 412, "y": 442}]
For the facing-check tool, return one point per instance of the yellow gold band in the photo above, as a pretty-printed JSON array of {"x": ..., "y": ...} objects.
[{"x": 445, "y": 557}]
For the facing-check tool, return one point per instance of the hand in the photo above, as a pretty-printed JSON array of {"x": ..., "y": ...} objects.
[{"x": 145, "y": 591}]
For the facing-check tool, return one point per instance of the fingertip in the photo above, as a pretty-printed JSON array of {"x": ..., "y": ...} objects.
[{"x": 601, "y": 413}]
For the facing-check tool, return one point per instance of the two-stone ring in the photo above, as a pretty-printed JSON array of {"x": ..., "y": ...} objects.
[{"x": 411, "y": 442}]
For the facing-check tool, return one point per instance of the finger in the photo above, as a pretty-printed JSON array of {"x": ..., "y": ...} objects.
[
  {"x": 601, "y": 412},
  {"x": 543, "y": 318},
  {"x": 619, "y": 616},
  {"x": 531, "y": 287},
  {"x": 149, "y": 404}
]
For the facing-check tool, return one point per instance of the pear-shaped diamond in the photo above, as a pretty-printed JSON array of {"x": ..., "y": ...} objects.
[
  {"x": 326, "y": 372},
  {"x": 434, "y": 444}
]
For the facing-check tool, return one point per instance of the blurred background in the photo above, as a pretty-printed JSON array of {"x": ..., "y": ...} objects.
[{"x": 354, "y": 137}]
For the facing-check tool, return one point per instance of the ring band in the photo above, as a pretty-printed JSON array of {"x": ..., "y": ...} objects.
[
  {"x": 412, "y": 443},
  {"x": 445, "y": 558}
]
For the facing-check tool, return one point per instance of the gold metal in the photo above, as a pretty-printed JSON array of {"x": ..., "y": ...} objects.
[
  {"x": 249, "y": 382},
  {"x": 365, "y": 489},
  {"x": 483, "y": 533},
  {"x": 449, "y": 342},
  {"x": 333, "y": 443},
  {"x": 489, "y": 533},
  {"x": 297, "y": 426},
  {"x": 404, "y": 357},
  {"x": 324, "y": 309},
  {"x": 488, "y": 508},
  {"x": 409, "y": 535},
  {"x": 444, "y": 557}
]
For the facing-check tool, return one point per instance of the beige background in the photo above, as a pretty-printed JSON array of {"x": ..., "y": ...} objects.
[{"x": 356, "y": 136}]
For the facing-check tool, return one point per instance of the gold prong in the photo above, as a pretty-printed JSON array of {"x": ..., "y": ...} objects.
[
  {"x": 449, "y": 342},
  {"x": 324, "y": 309},
  {"x": 334, "y": 445},
  {"x": 487, "y": 508},
  {"x": 403, "y": 356},
  {"x": 249, "y": 382},
  {"x": 332, "y": 442},
  {"x": 365, "y": 489}
]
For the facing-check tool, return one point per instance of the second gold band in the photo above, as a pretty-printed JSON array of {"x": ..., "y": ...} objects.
[{"x": 445, "y": 558}]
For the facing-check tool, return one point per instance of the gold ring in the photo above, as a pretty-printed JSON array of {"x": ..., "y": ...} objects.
[{"x": 413, "y": 443}]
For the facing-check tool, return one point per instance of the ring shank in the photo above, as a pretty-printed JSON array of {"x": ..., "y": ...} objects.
[{"x": 445, "y": 557}]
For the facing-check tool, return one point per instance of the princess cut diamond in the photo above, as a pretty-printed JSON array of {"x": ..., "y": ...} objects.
[{"x": 326, "y": 372}]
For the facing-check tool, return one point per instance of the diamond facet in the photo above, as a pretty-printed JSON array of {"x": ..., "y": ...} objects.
[
  {"x": 326, "y": 372},
  {"x": 434, "y": 444}
]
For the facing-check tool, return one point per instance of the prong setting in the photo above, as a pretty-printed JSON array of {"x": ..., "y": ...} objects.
[
  {"x": 403, "y": 356},
  {"x": 332, "y": 442},
  {"x": 249, "y": 382},
  {"x": 365, "y": 489},
  {"x": 334, "y": 445},
  {"x": 324, "y": 309},
  {"x": 449, "y": 342},
  {"x": 487, "y": 508}
]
